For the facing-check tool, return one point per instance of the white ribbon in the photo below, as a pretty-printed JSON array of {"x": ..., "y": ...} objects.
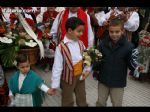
[{"x": 31, "y": 33}]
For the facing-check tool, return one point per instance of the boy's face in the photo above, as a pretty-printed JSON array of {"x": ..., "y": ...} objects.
[
  {"x": 24, "y": 67},
  {"x": 115, "y": 32},
  {"x": 76, "y": 33}
]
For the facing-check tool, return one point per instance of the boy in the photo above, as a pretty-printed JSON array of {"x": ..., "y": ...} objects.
[
  {"x": 130, "y": 18},
  {"x": 68, "y": 65},
  {"x": 25, "y": 85},
  {"x": 117, "y": 56}
]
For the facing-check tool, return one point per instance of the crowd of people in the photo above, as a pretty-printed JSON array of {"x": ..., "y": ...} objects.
[{"x": 113, "y": 30}]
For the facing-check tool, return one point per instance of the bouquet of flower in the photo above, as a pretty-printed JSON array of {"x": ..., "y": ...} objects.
[
  {"x": 144, "y": 49},
  {"x": 91, "y": 60},
  {"x": 11, "y": 42}
]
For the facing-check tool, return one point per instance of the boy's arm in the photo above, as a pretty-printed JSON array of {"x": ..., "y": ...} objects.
[
  {"x": 56, "y": 74},
  {"x": 44, "y": 87},
  {"x": 132, "y": 59},
  {"x": 57, "y": 69},
  {"x": 133, "y": 62}
]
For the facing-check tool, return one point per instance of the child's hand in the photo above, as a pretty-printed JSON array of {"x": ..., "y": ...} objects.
[
  {"x": 51, "y": 91},
  {"x": 85, "y": 75}
]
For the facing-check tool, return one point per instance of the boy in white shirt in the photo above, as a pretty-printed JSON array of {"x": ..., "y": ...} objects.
[{"x": 68, "y": 65}]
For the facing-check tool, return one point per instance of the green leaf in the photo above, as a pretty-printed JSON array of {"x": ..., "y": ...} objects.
[{"x": 8, "y": 56}]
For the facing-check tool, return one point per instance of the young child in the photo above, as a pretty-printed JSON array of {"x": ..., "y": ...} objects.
[
  {"x": 25, "y": 85},
  {"x": 68, "y": 65},
  {"x": 117, "y": 56}
]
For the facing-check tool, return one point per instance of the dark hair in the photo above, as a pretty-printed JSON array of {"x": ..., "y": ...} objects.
[
  {"x": 21, "y": 58},
  {"x": 116, "y": 22},
  {"x": 73, "y": 23}
]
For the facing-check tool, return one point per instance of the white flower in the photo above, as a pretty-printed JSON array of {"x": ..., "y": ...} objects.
[
  {"x": 99, "y": 54},
  {"x": 31, "y": 43},
  {"x": 97, "y": 51},
  {"x": 10, "y": 33},
  {"x": 5, "y": 40},
  {"x": 88, "y": 58},
  {"x": 10, "y": 36},
  {"x": 15, "y": 63},
  {"x": 15, "y": 34},
  {"x": 85, "y": 54},
  {"x": 88, "y": 63}
]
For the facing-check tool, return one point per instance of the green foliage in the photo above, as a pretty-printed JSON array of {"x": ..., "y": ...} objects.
[
  {"x": 8, "y": 56},
  {"x": 8, "y": 53}
]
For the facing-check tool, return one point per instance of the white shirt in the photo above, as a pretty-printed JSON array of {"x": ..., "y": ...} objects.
[
  {"x": 54, "y": 28},
  {"x": 59, "y": 9},
  {"x": 133, "y": 22},
  {"x": 28, "y": 16},
  {"x": 39, "y": 17},
  {"x": 58, "y": 60},
  {"x": 6, "y": 14},
  {"x": 43, "y": 87},
  {"x": 101, "y": 17}
]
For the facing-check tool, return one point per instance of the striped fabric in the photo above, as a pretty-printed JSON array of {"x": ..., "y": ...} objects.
[
  {"x": 68, "y": 72},
  {"x": 59, "y": 28},
  {"x": 134, "y": 58}
]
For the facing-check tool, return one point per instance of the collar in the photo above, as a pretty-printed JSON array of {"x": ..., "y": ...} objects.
[
  {"x": 67, "y": 40},
  {"x": 72, "y": 13},
  {"x": 22, "y": 75},
  {"x": 120, "y": 42}
]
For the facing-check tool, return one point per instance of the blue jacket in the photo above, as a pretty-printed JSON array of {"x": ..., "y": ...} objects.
[{"x": 113, "y": 68}]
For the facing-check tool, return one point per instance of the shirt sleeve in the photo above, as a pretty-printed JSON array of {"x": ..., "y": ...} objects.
[
  {"x": 101, "y": 18},
  {"x": 134, "y": 58},
  {"x": 90, "y": 33},
  {"x": 57, "y": 68},
  {"x": 133, "y": 22},
  {"x": 54, "y": 28},
  {"x": 44, "y": 88},
  {"x": 107, "y": 15}
]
